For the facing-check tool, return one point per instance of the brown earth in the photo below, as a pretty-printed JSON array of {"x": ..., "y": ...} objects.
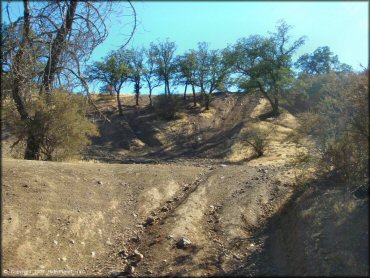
[{"x": 147, "y": 183}]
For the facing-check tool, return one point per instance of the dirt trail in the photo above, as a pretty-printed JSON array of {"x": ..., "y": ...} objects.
[{"x": 218, "y": 217}]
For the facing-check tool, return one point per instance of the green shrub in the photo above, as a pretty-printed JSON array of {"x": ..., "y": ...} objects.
[
  {"x": 257, "y": 138},
  {"x": 61, "y": 121}
]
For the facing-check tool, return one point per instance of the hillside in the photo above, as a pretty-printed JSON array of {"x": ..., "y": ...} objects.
[{"x": 151, "y": 185}]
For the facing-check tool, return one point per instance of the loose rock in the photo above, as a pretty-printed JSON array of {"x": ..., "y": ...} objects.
[
  {"x": 123, "y": 253},
  {"x": 138, "y": 256},
  {"x": 130, "y": 269},
  {"x": 183, "y": 243},
  {"x": 149, "y": 221}
]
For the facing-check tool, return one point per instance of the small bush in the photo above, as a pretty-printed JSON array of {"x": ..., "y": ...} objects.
[
  {"x": 166, "y": 106},
  {"x": 347, "y": 156},
  {"x": 257, "y": 138}
]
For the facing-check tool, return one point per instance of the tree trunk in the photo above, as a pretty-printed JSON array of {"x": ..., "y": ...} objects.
[
  {"x": 274, "y": 104},
  {"x": 165, "y": 88},
  {"x": 168, "y": 87},
  {"x": 34, "y": 138},
  {"x": 275, "y": 107},
  {"x": 207, "y": 101},
  {"x": 57, "y": 48},
  {"x": 194, "y": 97},
  {"x": 33, "y": 147},
  {"x": 137, "y": 90},
  {"x": 186, "y": 87},
  {"x": 137, "y": 94},
  {"x": 120, "y": 110},
  {"x": 150, "y": 97},
  {"x": 201, "y": 93}
]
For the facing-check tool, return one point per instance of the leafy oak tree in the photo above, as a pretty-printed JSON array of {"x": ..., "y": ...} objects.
[
  {"x": 213, "y": 75},
  {"x": 165, "y": 62},
  {"x": 187, "y": 66},
  {"x": 113, "y": 71},
  {"x": 149, "y": 71},
  {"x": 321, "y": 61},
  {"x": 264, "y": 64},
  {"x": 135, "y": 61}
]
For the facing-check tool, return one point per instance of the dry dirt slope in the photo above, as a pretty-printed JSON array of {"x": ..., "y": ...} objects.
[{"x": 87, "y": 218}]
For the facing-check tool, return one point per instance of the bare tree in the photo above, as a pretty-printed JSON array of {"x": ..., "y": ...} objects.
[{"x": 44, "y": 48}]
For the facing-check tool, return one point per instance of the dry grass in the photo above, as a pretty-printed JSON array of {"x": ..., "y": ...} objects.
[
  {"x": 279, "y": 150},
  {"x": 208, "y": 114}
]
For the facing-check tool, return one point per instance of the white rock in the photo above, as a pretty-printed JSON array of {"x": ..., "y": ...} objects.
[
  {"x": 139, "y": 257},
  {"x": 183, "y": 243}
]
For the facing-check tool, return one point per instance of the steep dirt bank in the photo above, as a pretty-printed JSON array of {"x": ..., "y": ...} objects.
[
  {"x": 195, "y": 133},
  {"x": 322, "y": 230}
]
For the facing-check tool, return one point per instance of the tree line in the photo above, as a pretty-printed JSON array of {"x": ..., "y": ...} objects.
[{"x": 255, "y": 63}]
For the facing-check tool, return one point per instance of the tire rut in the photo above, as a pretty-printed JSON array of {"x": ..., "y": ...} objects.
[{"x": 142, "y": 237}]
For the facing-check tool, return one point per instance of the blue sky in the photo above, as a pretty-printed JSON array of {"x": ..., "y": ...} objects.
[{"x": 343, "y": 26}]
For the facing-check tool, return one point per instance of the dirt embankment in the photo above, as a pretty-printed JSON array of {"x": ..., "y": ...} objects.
[
  {"x": 195, "y": 133},
  {"x": 322, "y": 230}
]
